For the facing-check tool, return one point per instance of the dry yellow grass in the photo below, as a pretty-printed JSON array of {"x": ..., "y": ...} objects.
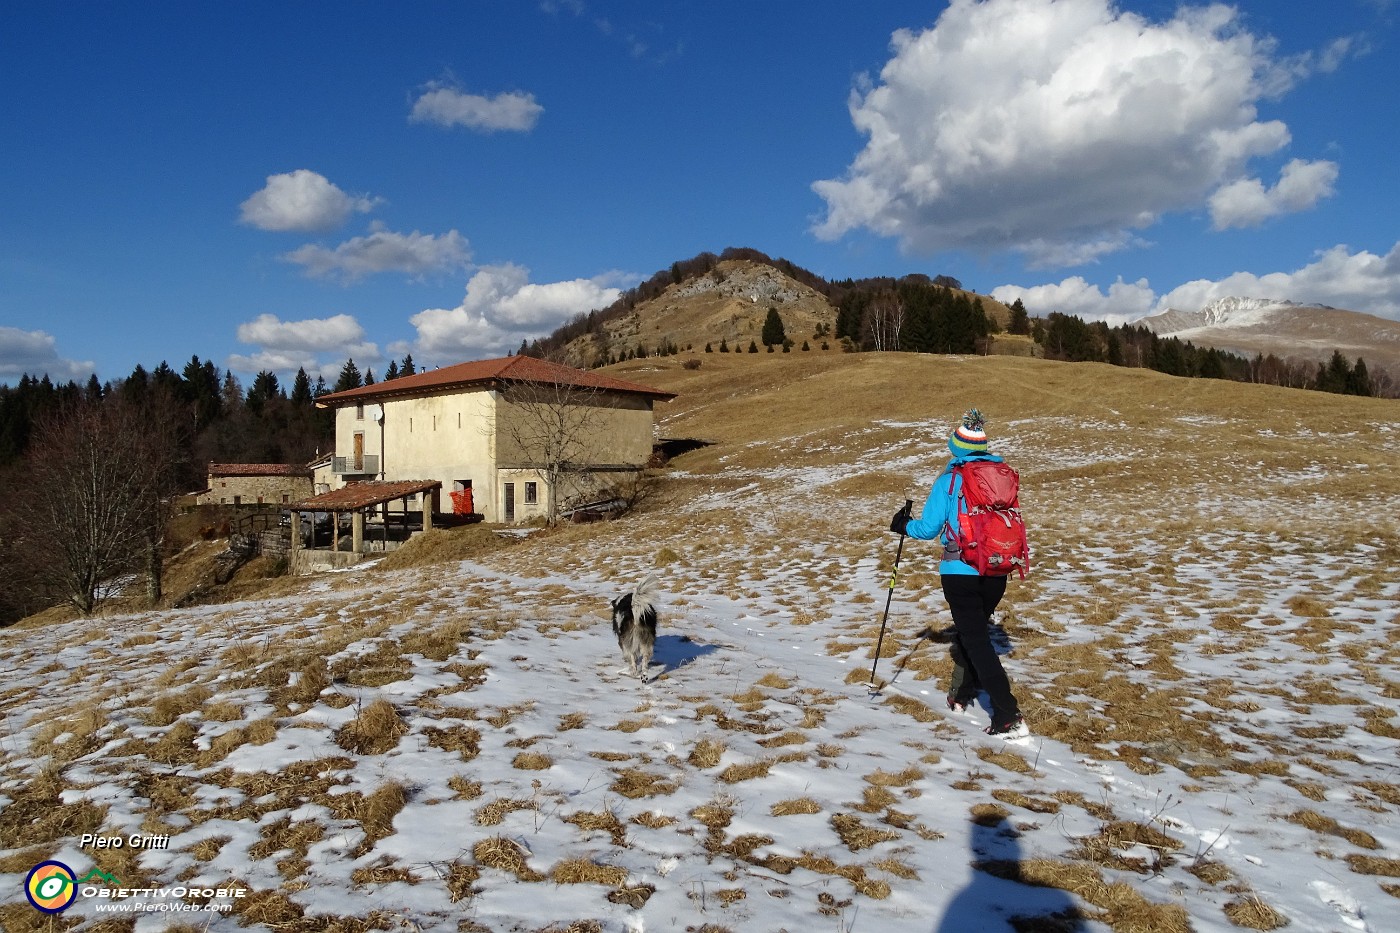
[{"x": 376, "y": 729}]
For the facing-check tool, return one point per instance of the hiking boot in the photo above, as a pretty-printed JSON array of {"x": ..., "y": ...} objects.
[{"x": 1014, "y": 729}]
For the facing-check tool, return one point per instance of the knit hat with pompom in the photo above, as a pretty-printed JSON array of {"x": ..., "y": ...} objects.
[{"x": 970, "y": 436}]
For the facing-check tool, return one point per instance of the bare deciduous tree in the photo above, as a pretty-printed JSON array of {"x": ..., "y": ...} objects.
[
  {"x": 552, "y": 428},
  {"x": 97, "y": 499}
]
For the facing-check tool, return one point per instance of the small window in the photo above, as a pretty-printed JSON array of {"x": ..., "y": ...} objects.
[
  {"x": 286, "y": 498},
  {"x": 531, "y": 493},
  {"x": 359, "y": 411}
]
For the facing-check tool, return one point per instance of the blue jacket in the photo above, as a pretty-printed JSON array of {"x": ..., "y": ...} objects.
[{"x": 942, "y": 507}]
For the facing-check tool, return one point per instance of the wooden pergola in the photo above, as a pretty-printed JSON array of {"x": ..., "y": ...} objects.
[{"x": 358, "y": 499}]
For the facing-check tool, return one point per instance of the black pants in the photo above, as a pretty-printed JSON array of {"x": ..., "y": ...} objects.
[{"x": 972, "y": 600}]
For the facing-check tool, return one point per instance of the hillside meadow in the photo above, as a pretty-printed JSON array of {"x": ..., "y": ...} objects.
[{"x": 1205, "y": 651}]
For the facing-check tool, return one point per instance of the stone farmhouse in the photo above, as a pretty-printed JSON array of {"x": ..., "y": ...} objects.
[
  {"x": 247, "y": 484},
  {"x": 508, "y": 440}
]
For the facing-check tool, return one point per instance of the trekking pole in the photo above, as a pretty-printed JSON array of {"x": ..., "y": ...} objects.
[{"x": 889, "y": 597}]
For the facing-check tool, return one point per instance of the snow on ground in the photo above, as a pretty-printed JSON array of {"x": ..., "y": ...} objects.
[{"x": 757, "y": 783}]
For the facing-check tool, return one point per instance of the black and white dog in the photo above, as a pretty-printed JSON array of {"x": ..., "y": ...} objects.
[{"x": 634, "y": 624}]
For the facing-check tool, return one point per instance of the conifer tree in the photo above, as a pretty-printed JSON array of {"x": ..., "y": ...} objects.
[
  {"x": 349, "y": 377},
  {"x": 773, "y": 328}
]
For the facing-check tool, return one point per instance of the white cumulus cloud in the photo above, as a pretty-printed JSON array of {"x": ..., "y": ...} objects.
[
  {"x": 1123, "y": 302},
  {"x": 35, "y": 352},
  {"x": 1247, "y": 203},
  {"x": 502, "y": 307},
  {"x": 414, "y": 254},
  {"x": 339, "y": 332},
  {"x": 1058, "y": 127},
  {"x": 302, "y": 201},
  {"x": 318, "y": 345},
  {"x": 446, "y": 106},
  {"x": 1339, "y": 277}
]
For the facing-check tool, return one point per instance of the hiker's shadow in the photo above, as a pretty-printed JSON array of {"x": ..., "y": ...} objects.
[
  {"x": 676, "y": 651},
  {"x": 1000, "y": 897}
]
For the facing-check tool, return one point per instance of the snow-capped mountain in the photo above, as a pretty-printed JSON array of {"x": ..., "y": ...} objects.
[{"x": 1283, "y": 328}]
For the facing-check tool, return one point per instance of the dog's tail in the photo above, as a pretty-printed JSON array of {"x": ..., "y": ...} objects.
[{"x": 644, "y": 596}]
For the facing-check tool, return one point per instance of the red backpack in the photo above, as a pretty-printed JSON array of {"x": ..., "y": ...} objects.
[{"x": 991, "y": 535}]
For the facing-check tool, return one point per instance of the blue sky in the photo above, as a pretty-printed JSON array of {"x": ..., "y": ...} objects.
[{"x": 272, "y": 185}]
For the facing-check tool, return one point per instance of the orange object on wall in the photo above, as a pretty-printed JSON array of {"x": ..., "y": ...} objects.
[{"x": 462, "y": 501}]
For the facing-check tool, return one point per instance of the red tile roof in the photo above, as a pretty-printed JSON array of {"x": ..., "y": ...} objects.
[
  {"x": 486, "y": 372},
  {"x": 362, "y": 495},
  {"x": 259, "y": 469}
]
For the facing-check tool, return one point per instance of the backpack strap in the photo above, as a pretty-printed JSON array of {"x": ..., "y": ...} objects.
[{"x": 951, "y": 549}]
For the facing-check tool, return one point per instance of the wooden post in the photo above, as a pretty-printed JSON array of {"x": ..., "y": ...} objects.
[{"x": 357, "y": 531}]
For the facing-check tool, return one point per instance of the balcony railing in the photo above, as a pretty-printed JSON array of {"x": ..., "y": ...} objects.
[{"x": 368, "y": 463}]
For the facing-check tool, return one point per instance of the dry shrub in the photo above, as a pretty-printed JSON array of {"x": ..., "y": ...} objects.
[
  {"x": 775, "y": 681},
  {"x": 989, "y": 814},
  {"x": 909, "y": 706},
  {"x": 1007, "y": 759},
  {"x": 378, "y": 811},
  {"x": 304, "y": 686},
  {"x": 605, "y": 822},
  {"x": 634, "y": 782},
  {"x": 856, "y": 835},
  {"x": 495, "y": 812},
  {"x": 706, "y": 753},
  {"x": 1253, "y": 913},
  {"x": 206, "y": 850},
  {"x": 715, "y": 815},
  {"x": 223, "y": 712},
  {"x": 463, "y": 740},
  {"x": 1124, "y": 909},
  {"x": 1325, "y": 824},
  {"x": 653, "y": 820},
  {"x": 176, "y": 747},
  {"x": 1211, "y": 872},
  {"x": 1373, "y": 865},
  {"x": 795, "y": 806},
  {"x": 532, "y": 761},
  {"x": 1018, "y": 799},
  {"x": 505, "y": 855},
  {"x": 586, "y": 871},
  {"x": 459, "y": 879},
  {"x": 883, "y": 778},
  {"x": 1105, "y": 847},
  {"x": 783, "y": 739},
  {"x": 286, "y": 834},
  {"x": 375, "y": 730},
  {"x": 893, "y": 866},
  {"x": 464, "y": 787},
  {"x": 572, "y": 721},
  {"x": 746, "y": 772},
  {"x": 383, "y": 873},
  {"x": 875, "y": 799},
  {"x": 1309, "y": 607},
  {"x": 1309, "y": 789},
  {"x": 78, "y": 729},
  {"x": 1390, "y": 793}
]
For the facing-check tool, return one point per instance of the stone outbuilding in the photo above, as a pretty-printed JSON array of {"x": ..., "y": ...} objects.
[{"x": 252, "y": 484}]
